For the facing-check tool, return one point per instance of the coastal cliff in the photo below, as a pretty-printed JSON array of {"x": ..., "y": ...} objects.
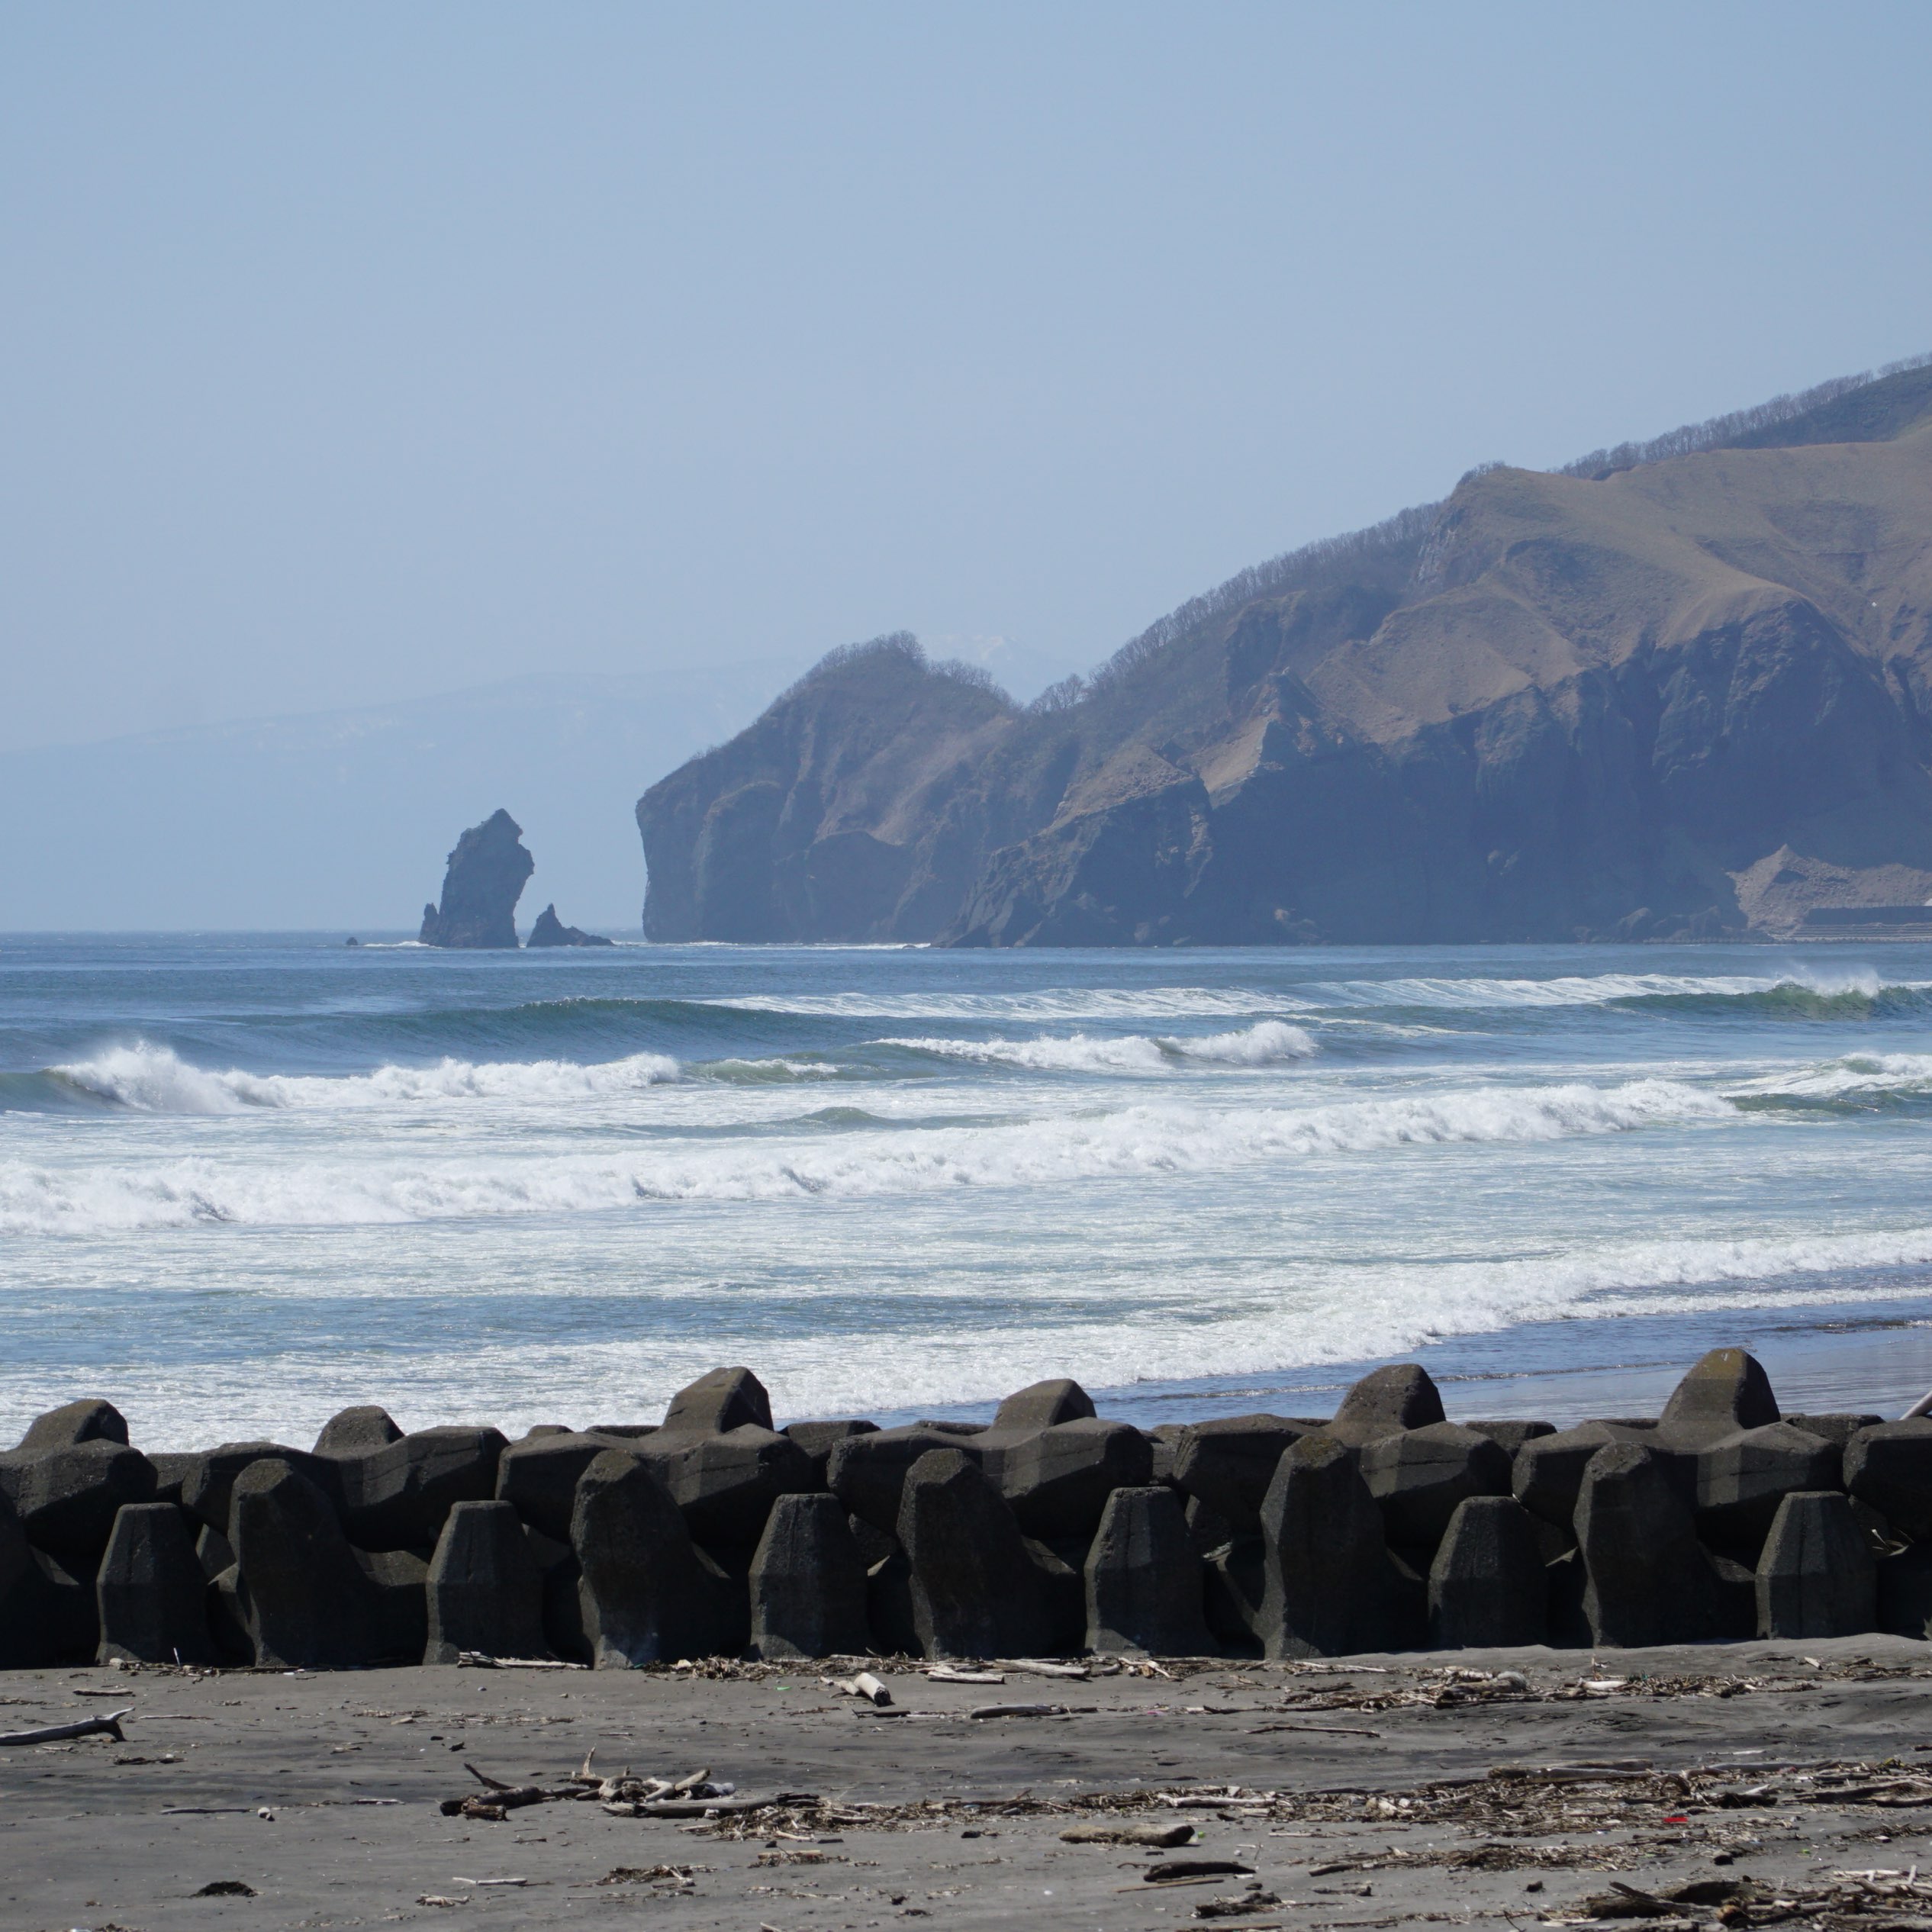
[
  {"x": 486, "y": 876},
  {"x": 1679, "y": 690}
]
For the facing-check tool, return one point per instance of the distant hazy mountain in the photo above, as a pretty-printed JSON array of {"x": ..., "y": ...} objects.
[
  {"x": 344, "y": 818},
  {"x": 1682, "y": 687}
]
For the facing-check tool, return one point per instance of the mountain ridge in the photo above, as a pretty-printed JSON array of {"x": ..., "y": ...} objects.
[{"x": 1577, "y": 703}]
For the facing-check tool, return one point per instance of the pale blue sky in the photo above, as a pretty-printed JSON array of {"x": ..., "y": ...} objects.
[{"x": 354, "y": 353}]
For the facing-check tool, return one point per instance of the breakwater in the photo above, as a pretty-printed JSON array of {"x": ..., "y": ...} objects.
[{"x": 1052, "y": 1530}]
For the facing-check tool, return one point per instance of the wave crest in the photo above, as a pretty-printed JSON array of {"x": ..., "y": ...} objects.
[
  {"x": 1269, "y": 1042},
  {"x": 148, "y": 1078}
]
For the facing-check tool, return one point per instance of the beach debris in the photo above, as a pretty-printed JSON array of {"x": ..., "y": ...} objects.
[
  {"x": 947, "y": 1673},
  {"x": 1182, "y": 1871},
  {"x": 865, "y": 1685},
  {"x": 108, "y": 1726},
  {"x": 1239, "y": 1904},
  {"x": 225, "y": 1888},
  {"x": 1130, "y": 1832},
  {"x": 1018, "y": 1710},
  {"x": 482, "y": 1660}
]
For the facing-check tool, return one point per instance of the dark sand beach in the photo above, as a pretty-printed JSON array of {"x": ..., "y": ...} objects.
[{"x": 1358, "y": 1793}]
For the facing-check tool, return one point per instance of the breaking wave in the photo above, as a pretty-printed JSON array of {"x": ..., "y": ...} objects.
[
  {"x": 1269, "y": 1042},
  {"x": 155, "y": 1079},
  {"x": 1130, "y": 1143}
]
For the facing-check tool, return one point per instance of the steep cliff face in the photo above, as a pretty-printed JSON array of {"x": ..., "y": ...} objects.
[
  {"x": 1658, "y": 694},
  {"x": 486, "y": 876}
]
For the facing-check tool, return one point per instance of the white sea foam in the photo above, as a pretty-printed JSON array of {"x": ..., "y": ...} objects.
[
  {"x": 1133, "y": 1142},
  {"x": 1267, "y": 1043},
  {"x": 1858, "y": 1076},
  {"x": 155, "y": 1079}
]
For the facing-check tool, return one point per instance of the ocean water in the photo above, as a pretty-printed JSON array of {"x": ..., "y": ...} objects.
[{"x": 246, "y": 1181}]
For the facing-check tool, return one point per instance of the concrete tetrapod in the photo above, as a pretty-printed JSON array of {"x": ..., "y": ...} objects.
[
  {"x": 1817, "y": 1576},
  {"x": 807, "y": 1582},
  {"x": 1330, "y": 1585},
  {"x": 1650, "y": 1580},
  {"x": 1144, "y": 1591},
  {"x": 1487, "y": 1586},
  {"x": 648, "y": 1594},
  {"x": 484, "y": 1590},
  {"x": 152, "y": 1595},
  {"x": 976, "y": 1592}
]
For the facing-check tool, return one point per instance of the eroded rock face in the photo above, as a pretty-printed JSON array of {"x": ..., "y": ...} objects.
[
  {"x": 551, "y": 931},
  {"x": 486, "y": 877},
  {"x": 1654, "y": 698}
]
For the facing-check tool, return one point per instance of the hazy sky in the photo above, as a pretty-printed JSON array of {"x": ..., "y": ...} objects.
[{"x": 353, "y": 352}]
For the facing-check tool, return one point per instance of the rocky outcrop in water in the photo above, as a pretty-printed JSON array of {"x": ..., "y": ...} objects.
[
  {"x": 487, "y": 874},
  {"x": 1673, "y": 692},
  {"x": 551, "y": 931},
  {"x": 1049, "y": 1531}
]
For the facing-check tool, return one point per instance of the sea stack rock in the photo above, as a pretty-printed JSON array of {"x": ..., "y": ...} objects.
[
  {"x": 551, "y": 931},
  {"x": 487, "y": 874}
]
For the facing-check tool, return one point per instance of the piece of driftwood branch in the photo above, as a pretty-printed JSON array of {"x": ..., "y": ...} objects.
[
  {"x": 1018, "y": 1710},
  {"x": 1039, "y": 1667},
  {"x": 1124, "y": 1831},
  {"x": 945, "y": 1673},
  {"x": 108, "y": 1726},
  {"x": 864, "y": 1685}
]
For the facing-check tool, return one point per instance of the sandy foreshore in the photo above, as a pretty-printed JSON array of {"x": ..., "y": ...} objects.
[{"x": 1357, "y": 1794}]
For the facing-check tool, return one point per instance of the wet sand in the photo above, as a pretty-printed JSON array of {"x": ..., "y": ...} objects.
[{"x": 320, "y": 1793}]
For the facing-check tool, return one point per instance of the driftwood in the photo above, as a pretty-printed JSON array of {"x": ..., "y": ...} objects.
[
  {"x": 1123, "y": 1832},
  {"x": 104, "y": 1726},
  {"x": 1018, "y": 1710},
  {"x": 1037, "y": 1667},
  {"x": 946, "y": 1673},
  {"x": 482, "y": 1660},
  {"x": 864, "y": 1685}
]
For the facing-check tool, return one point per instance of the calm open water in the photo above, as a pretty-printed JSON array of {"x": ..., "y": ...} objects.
[{"x": 245, "y": 1180}]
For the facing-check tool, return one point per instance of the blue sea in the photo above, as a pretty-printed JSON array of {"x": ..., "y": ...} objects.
[{"x": 245, "y": 1180}]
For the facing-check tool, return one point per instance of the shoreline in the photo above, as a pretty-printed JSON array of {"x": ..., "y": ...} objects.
[{"x": 1369, "y": 1791}]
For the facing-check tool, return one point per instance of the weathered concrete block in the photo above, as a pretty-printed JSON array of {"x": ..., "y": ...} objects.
[
  {"x": 1057, "y": 1480},
  {"x": 563, "y": 1611},
  {"x": 150, "y": 1593},
  {"x": 1164, "y": 1440},
  {"x": 975, "y": 1591},
  {"x": 300, "y": 1595},
  {"x": 1042, "y": 1404},
  {"x": 1648, "y": 1579},
  {"x": 207, "y": 1484},
  {"x": 648, "y": 1594},
  {"x": 1061, "y": 1574},
  {"x": 66, "y": 1498},
  {"x": 1725, "y": 1392},
  {"x": 1487, "y": 1588},
  {"x": 1143, "y": 1578},
  {"x": 537, "y": 1476},
  {"x": 1510, "y": 1435},
  {"x": 1742, "y": 1479},
  {"x": 1401, "y": 1396},
  {"x": 1419, "y": 1477},
  {"x": 725, "y": 1483},
  {"x": 213, "y": 1551},
  {"x": 357, "y": 1432},
  {"x": 1816, "y": 1577},
  {"x": 868, "y": 1472},
  {"x": 401, "y": 1580},
  {"x": 484, "y": 1591},
  {"x": 43, "y": 1619},
  {"x": 807, "y": 1582},
  {"x": 1836, "y": 1429},
  {"x": 724, "y": 1399},
  {"x": 91, "y": 1421},
  {"x": 818, "y": 1440},
  {"x": 1229, "y": 1462},
  {"x": 1331, "y": 1584},
  {"x": 1547, "y": 1471},
  {"x": 1889, "y": 1465},
  {"x": 397, "y": 1497},
  {"x": 1207, "y": 1528}
]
